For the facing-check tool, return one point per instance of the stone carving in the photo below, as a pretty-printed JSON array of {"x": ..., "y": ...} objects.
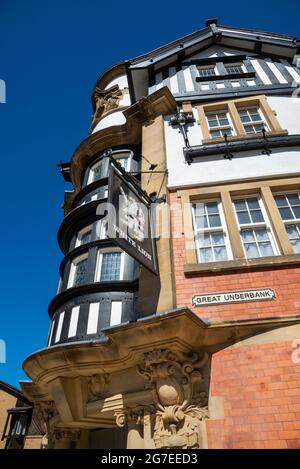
[
  {"x": 181, "y": 403},
  {"x": 104, "y": 101},
  {"x": 72, "y": 434},
  {"x": 46, "y": 410},
  {"x": 96, "y": 386},
  {"x": 129, "y": 415}
]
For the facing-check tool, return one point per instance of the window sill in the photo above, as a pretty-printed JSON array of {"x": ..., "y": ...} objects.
[{"x": 239, "y": 264}]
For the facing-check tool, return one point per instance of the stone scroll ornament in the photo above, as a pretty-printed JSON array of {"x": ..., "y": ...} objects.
[
  {"x": 105, "y": 101},
  {"x": 174, "y": 378}
]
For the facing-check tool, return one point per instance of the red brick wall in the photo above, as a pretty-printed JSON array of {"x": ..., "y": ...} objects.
[
  {"x": 284, "y": 280},
  {"x": 260, "y": 386}
]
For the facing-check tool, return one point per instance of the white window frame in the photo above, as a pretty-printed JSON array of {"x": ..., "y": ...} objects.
[
  {"x": 266, "y": 224},
  {"x": 92, "y": 169},
  {"x": 247, "y": 124},
  {"x": 293, "y": 221},
  {"x": 118, "y": 154},
  {"x": 99, "y": 263},
  {"x": 221, "y": 127},
  {"x": 81, "y": 233},
  {"x": 235, "y": 64},
  {"x": 205, "y": 67},
  {"x": 73, "y": 268},
  {"x": 222, "y": 228}
]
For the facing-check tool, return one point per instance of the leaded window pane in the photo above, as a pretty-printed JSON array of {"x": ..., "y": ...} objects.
[
  {"x": 110, "y": 266},
  {"x": 86, "y": 237},
  {"x": 232, "y": 69},
  {"x": 80, "y": 272},
  {"x": 207, "y": 72},
  {"x": 97, "y": 172}
]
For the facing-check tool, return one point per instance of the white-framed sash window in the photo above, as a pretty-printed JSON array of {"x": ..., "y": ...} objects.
[
  {"x": 210, "y": 231},
  {"x": 288, "y": 204},
  {"x": 254, "y": 226}
]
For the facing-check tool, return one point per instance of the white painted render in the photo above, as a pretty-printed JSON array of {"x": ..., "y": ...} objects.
[
  {"x": 73, "y": 321},
  {"x": 244, "y": 165},
  {"x": 93, "y": 316},
  {"x": 121, "y": 81},
  {"x": 287, "y": 110},
  {"x": 214, "y": 50},
  {"x": 125, "y": 101},
  {"x": 116, "y": 118}
]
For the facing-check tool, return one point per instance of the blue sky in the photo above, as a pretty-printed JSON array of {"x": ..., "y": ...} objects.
[{"x": 51, "y": 55}]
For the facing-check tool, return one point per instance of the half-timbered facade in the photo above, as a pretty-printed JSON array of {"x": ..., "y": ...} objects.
[{"x": 205, "y": 353}]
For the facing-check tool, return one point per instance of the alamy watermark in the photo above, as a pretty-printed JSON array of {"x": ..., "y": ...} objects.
[
  {"x": 2, "y": 91},
  {"x": 2, "y": 351}
]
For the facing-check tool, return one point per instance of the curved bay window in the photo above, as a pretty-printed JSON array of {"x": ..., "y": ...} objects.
[
  {"x": 78, "y": 271},
  {"x": 98, "y": 169},
  {"x": 96, "y": 172},
  {"x": 110, "y": 265},
  {"x": 123, "y": 158},
  {"x": 84, "y": 236}
]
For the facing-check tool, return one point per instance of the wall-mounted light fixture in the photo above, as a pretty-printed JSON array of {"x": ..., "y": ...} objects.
[{"x": 182, "y": 119}]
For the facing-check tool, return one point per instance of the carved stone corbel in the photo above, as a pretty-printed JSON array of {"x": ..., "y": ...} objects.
[
  {"x": 45, "y": 411},
  {"x": 96, "y": 386},
  {"x": 180, "y": 394},
  {"x": 71, "y": 434},
  {"x": 129, "y": 415},
  {"x": 105, "y": 101}
]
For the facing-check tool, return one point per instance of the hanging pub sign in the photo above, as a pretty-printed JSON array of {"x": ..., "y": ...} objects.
[{"x": 129, "y": 218}]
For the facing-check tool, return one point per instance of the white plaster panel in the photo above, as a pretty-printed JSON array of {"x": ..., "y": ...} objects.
[
  {"x": 292, "y": 71},
  {"x": 216, "y": 169},
  {"x": 276, "y": 71},
  {"x": 189, "y": 85},
  {"x": 288, "y": 112},
  {"x": 116, "y": 118},
  {"x": 173, "y": 80},
  {"x": 261, "y": 73},
  {"x": 125, "y": 101},
  {"x": 121, "y": 81}
]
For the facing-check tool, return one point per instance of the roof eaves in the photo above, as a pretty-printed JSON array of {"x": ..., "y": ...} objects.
[{"x": 183, "y": 43}]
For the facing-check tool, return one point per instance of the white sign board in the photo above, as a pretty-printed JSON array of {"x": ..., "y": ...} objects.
[{"x": 261, "y": 294}]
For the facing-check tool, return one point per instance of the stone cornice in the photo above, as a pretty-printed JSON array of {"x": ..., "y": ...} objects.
[
  {"x": 146, "y": 109},
  {"x": 181, "y": 330}
]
